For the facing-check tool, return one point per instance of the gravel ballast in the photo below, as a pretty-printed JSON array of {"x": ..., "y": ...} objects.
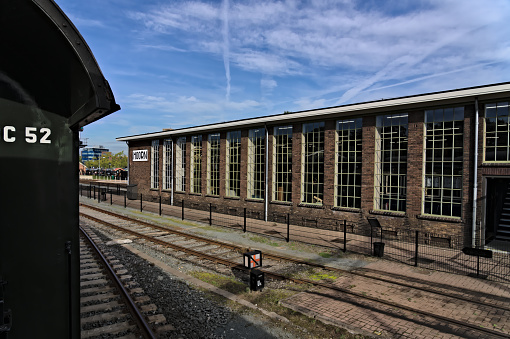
[{"x": 188, "y": 310}]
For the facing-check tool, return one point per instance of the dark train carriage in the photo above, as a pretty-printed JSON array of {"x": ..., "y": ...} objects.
[{"x": 50, "y": 86}]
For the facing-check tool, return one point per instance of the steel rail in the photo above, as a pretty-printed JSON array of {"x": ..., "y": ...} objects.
[
  {"x": 295, "y": 261},
  {"x": 169, "y": 230},
  {"x": 389, "y": 303},
  {"x": 143, "y": 326},
  {"x": 165, "y": 243},
  {"x": 303, "y": 281}
]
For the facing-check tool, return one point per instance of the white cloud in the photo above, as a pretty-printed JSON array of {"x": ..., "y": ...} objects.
[
  {"x": 273, "y": 37},
  {"x": 204, "y": 111},
  {"x": 396, "y": 43},
  {"x": 268, "y": 84},
  {"x": 163, "y": 48},
  {"x": 82, "y": 22},
  {"x": 306, "y": 104}
]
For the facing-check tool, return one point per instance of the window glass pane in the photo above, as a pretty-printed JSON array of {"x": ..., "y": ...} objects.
[
  {"x": 282, "y": 163},
  {"x": 348, "y": 163},
  {"x": 312, "y": 172},
  {"x": 180, "y": 164},
  {"x": 213, "y": 164},
  {"x": 444, "y": 160},
  {"x": 167, "y": 163},
  {"x": 497, "y": 128},
  {"x": 391, "y": 162},
  {"x": 233, "y": 164},
  {"x": 155, "y": 164},
  {"x": 256, "y": 163},
  {"x": 196, "y": 164}
]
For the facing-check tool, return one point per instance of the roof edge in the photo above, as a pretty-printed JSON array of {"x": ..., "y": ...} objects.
[{"x": 399, "y": 103}]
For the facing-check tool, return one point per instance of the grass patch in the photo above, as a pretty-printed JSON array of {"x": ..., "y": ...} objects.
[
  {"x": 321, "y": 276},
  {"x": 229, "y": 284},
  {"x": 315, "y": 274},
  {"x": 213, "y": 229},
  {"x": 325, "y": 254},
  {"x": 301, "y": 246},
  {"x": 264, "y": 240}
]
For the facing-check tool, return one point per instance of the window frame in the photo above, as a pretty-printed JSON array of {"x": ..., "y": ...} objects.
[
  {"x": 213, "y": 164},
  {"x": 312, "y": 191},
  {"x": 233, "y": 164},
  {"x": 196, "y": 164},
  {"x": 441, "y": 158},
  {"x": 256, "y": 164},
  {"x": 155, "y": 164},
  {"x": 348, "y": 163},
  {"x": 282, "y": 163},
  {"x": 180, "y": 164},
  {"x": 391, "y": 188},
  {"x": 498, "y": 109},
  {"x": 167, "y": 164}
]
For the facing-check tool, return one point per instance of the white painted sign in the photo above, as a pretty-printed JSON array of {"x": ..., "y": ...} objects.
[
  {"x": 141, "y": 155},
  {"x": 32, "y": 135}
]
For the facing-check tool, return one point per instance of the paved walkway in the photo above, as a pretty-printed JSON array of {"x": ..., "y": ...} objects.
[{"x": 377, "y": 319}]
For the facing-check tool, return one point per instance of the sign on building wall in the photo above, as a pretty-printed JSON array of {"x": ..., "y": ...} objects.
[{"x": 141, "y": 155}]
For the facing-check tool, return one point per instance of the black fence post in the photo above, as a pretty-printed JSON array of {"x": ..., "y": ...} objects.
[
  {"x": 288, "y": 227},
  {"x": 111, "y": 199},
  {"x": 118, "y": 189},
  {"x": 141, "y": 199},
  {"x": 416, "y": 250},
  {"x": 94, "y": 192},
  {"x": 90, "y": 190},
  {"x": 371, "y": 237},
  {"x": 345, "y": 235},
  {"x": 244, "y": 228},
  {"x": 125, "y": 202},
  {"x": 182, "y": 209},
  {"x": 99, "y": 193},
  {"x": 210, "y": 214}
]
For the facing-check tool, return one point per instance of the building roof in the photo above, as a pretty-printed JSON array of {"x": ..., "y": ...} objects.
[{"x": 458, "y": 96}]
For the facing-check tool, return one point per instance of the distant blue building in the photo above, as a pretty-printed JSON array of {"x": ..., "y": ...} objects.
[{"x": 92, "y": 153}]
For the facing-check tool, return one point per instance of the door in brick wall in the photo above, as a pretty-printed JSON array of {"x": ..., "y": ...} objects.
[{"x": 497, "y": 210}]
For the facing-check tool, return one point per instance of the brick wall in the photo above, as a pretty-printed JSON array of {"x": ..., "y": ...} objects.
[{"x": 328, "y": 215}]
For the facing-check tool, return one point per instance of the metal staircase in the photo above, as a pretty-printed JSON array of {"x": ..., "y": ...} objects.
[{"x": 503, "y": 230}]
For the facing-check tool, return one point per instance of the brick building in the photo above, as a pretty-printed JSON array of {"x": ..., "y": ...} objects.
[{"x": 408, "y": 161}]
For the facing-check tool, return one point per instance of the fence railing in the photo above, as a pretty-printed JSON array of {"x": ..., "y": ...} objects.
[{"x": 412, "y": 247}]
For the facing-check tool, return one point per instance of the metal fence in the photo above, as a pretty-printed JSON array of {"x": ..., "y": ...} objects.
[{"x": 412, "y": 247}]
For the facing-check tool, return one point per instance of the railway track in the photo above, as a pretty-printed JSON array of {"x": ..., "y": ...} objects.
[
  {"x": 229, "y": 255},
  {"x": 107, "y": 308}
]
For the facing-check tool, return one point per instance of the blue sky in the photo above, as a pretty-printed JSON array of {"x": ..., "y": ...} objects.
[{"x": 174, "y": 64}]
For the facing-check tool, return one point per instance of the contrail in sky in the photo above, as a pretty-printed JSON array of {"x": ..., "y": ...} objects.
[{"x": 226, "y": 47}]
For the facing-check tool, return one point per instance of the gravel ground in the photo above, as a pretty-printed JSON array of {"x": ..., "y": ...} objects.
[
  {"x": 302, "y": 251},
  {"x": 188, "y": 310}
]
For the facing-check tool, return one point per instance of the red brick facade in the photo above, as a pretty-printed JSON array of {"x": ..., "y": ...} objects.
[{"x": 328, "y": 215}]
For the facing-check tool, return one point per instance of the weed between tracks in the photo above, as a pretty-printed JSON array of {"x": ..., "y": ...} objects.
[
  {"x": 301, "y": 326},
  {"x": 225, "y": 283}
]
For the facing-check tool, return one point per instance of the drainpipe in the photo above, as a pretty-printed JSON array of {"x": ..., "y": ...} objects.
[
  {"x": 475, "y": 177},
  {"x": 127, "y": 143},
  {"x": 172, "y": 171},
  {"x": 267, "y": 174}
]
